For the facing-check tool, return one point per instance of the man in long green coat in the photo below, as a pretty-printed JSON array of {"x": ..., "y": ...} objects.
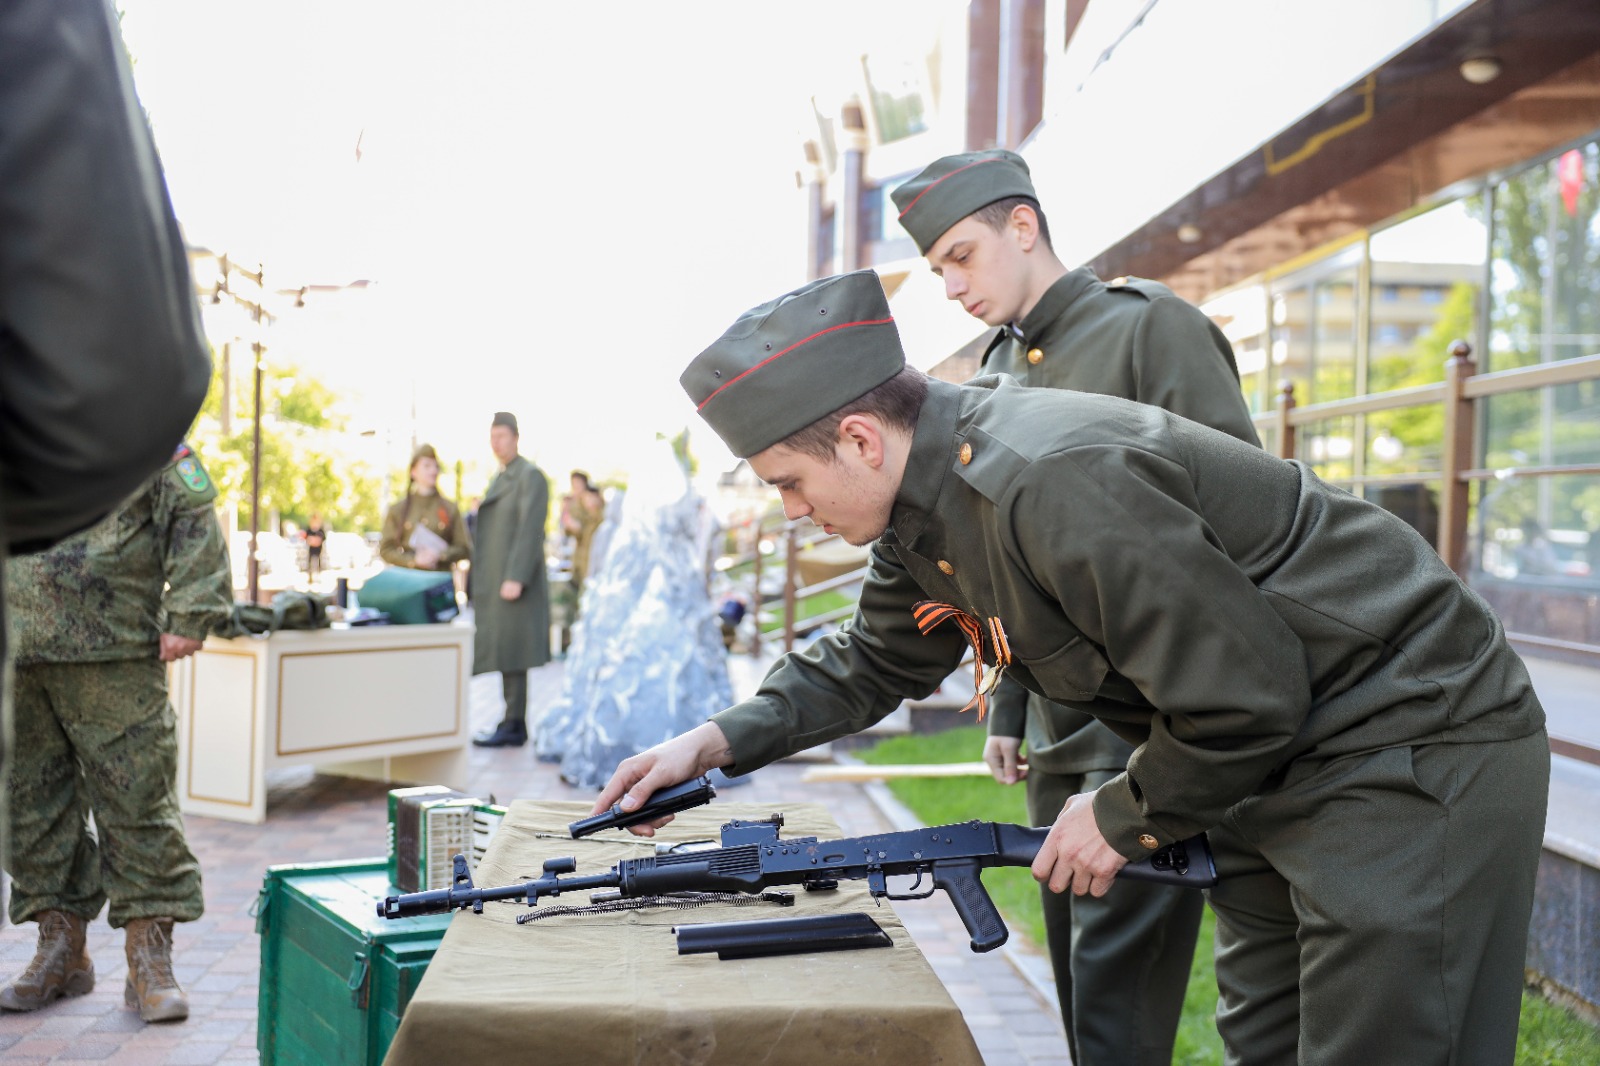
[
  {"x": 1121, "y": 961},
  {"x": 510, "y": 589},
  {"x": 1301, "y": 676}
]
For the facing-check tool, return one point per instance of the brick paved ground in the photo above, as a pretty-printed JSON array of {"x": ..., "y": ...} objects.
[{"x": 313, "y": 817}]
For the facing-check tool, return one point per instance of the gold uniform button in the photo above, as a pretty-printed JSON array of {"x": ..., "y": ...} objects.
[
  {"x": 966, "y": 454},
  {"x": 1035, "y": 356},
  {"x": 1116, "y": 283},
  {"x": 946, "y": 567},
  {"x": 1149, "y": 842}
]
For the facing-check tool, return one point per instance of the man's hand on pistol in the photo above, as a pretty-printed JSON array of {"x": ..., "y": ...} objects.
[{"x": 687, "y": 755}]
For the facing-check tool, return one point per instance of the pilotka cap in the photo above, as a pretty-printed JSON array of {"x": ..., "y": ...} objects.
[
  {"x": 504, "y": 418},
  {"x": 795, "y": 359},
  {"x": 950, "y": 189}
]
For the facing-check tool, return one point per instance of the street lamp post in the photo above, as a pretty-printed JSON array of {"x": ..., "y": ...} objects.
[{"x": 257, "y": 313}]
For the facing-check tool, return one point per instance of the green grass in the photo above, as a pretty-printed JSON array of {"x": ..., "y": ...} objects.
[
  {"x": 1550, "y": 1035},
  {"x": 809, "y": 607}
]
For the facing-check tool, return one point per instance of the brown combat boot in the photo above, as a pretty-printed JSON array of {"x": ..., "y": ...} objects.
[
  {"x": 151, "y": 986},
  {"x": 60, "y": 965}
]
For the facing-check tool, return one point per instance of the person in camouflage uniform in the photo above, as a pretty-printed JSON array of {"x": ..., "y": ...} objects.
[{"x": 97, "y": 617}]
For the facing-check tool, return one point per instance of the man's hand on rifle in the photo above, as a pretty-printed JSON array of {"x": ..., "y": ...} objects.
[
  {"x": 1075, "y": 855},
  {"x": 686, "y": 755}
]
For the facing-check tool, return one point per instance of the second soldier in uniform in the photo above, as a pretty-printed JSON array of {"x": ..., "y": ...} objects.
[
  {"x": 1121, "y": 961},
  {"x": 97, "y": 619}
]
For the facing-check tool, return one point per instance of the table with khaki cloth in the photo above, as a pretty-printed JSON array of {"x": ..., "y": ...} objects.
[{"x": 595, "y": 989}]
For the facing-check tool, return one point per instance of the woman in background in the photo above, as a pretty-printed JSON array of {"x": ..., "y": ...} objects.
[{"x": 424, "y": 531}]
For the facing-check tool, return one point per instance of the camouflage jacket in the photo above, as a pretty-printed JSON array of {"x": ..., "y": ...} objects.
[{"x": 157, "y": 564}]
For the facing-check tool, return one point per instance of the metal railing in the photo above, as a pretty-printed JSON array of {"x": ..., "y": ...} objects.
[{"x": 1459, "y": 393}]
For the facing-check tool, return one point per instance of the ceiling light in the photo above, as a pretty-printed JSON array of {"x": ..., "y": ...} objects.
[{"x": 1480, "y": 70}]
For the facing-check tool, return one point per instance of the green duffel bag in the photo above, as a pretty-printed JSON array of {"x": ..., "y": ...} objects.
[
  {"x": 291, "y": 609},
  {"x": 410, "y": 597}
]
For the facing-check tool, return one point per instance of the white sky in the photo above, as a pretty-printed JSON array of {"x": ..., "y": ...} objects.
[{"x": 559, "y": 204}]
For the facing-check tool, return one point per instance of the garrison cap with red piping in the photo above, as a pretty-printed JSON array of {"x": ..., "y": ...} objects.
[
  {"x": 792, "y": 360},
  {"x": 950, "y": 189}
]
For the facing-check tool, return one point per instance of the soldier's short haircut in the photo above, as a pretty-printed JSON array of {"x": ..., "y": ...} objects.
[
  {"x": 997, "y": 214},
  {"x": 897, "y": 402}
]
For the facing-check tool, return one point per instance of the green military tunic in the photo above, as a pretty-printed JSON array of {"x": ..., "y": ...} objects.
[
  {"x": 1254, "y": 632},
  {"x": 512, "y": 635},
  {"x": 1135, "y": 339},
  {"x": 94, "y": 728},
  {"x": 1130, "y": 338},
  {"x": 587, "y": 517},
  {"x": 432, "y": 512}
]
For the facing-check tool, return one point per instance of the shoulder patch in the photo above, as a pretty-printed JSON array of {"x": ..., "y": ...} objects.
[
  {"x": 187, "y": 472},
  {"x": 182, "y": 452}
]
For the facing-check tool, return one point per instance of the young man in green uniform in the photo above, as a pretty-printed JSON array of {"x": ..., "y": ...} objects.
[
  {"x": 1121, "y": 961},
  {"x": 1301, "y": 676},
  {"x": 98, "y": 617},
  {"x": 510, "y": 589}
]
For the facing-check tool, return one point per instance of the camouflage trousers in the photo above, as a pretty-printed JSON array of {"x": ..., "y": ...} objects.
[{"x": 97, "y": 738}]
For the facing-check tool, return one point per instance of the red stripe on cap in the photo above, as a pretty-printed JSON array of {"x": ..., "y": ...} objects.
[
  {"x": 786, "y": 351},
  {"x": 952, "y": 174}
]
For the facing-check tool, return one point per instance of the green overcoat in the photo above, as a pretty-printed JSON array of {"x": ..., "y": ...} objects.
[
  {"x": 512, "y": 635},
  {"x": 1131, "y": 338},
  {"x": 1223, "y": 610}
]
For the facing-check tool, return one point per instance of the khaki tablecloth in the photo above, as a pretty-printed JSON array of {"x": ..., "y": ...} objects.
[{"x": 590, "y": 990}]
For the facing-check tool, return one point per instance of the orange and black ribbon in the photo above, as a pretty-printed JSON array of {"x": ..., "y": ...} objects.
[{"x": 931, "y": 613}]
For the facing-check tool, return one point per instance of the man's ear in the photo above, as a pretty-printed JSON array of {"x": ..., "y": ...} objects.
[
  {"x": 861, "y": 436},
  {"x": 1025, "y": 222}
]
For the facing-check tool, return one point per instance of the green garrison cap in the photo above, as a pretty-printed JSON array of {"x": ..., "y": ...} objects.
[
  {"x": 504, "y": 418},
  {"x": 950, "y": 189},
  {"x": 796, "y": 359}
]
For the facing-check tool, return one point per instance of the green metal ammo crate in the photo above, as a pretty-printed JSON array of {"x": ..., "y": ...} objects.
[{"x": 335, "y": 977}]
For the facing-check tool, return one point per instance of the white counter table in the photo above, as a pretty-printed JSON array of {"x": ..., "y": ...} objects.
[{"x": 385, "y": 702}]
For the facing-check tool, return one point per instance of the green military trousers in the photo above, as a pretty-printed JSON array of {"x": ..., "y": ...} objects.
[
  {"x": 1374, "y": 909},
  {"x": 100, "y": 738},
  {"x": 1122, "y": 961}
]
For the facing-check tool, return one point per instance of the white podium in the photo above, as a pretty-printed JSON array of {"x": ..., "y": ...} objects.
[{"x": 383, "y": 702}]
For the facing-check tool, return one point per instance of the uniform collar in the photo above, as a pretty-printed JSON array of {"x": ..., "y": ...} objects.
[
  {"x": 1053, "y": 304},
  {"x": 933, "y": 443}
]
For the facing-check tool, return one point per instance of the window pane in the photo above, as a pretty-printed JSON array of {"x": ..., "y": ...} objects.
[
  {"x": 1537, "y": 558},
  {"x": 1546, "y": 262},
  {"x": 1290, "y": 349},
  {"x": 1242, "y": 317},
  {"x": 1427, "y": 278},
  {"x": 1333, "y": 349},
  {"x": 1329, "y": 446}
]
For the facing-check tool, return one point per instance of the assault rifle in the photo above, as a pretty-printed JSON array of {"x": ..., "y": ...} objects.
[{"x": 753, "y": 857}]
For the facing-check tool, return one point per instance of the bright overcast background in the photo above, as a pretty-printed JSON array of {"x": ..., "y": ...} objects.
[{"x": 558, "y": 205}]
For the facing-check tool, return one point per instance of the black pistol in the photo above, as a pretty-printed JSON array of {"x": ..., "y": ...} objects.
[{"x": 664, "y": 801}]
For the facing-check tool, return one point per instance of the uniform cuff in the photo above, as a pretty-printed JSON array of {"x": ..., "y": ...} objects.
[
  {"x": 190, "y": 627},
  {"x": 1118, "y": 815},
  {"x": 751, "y": 729}
]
